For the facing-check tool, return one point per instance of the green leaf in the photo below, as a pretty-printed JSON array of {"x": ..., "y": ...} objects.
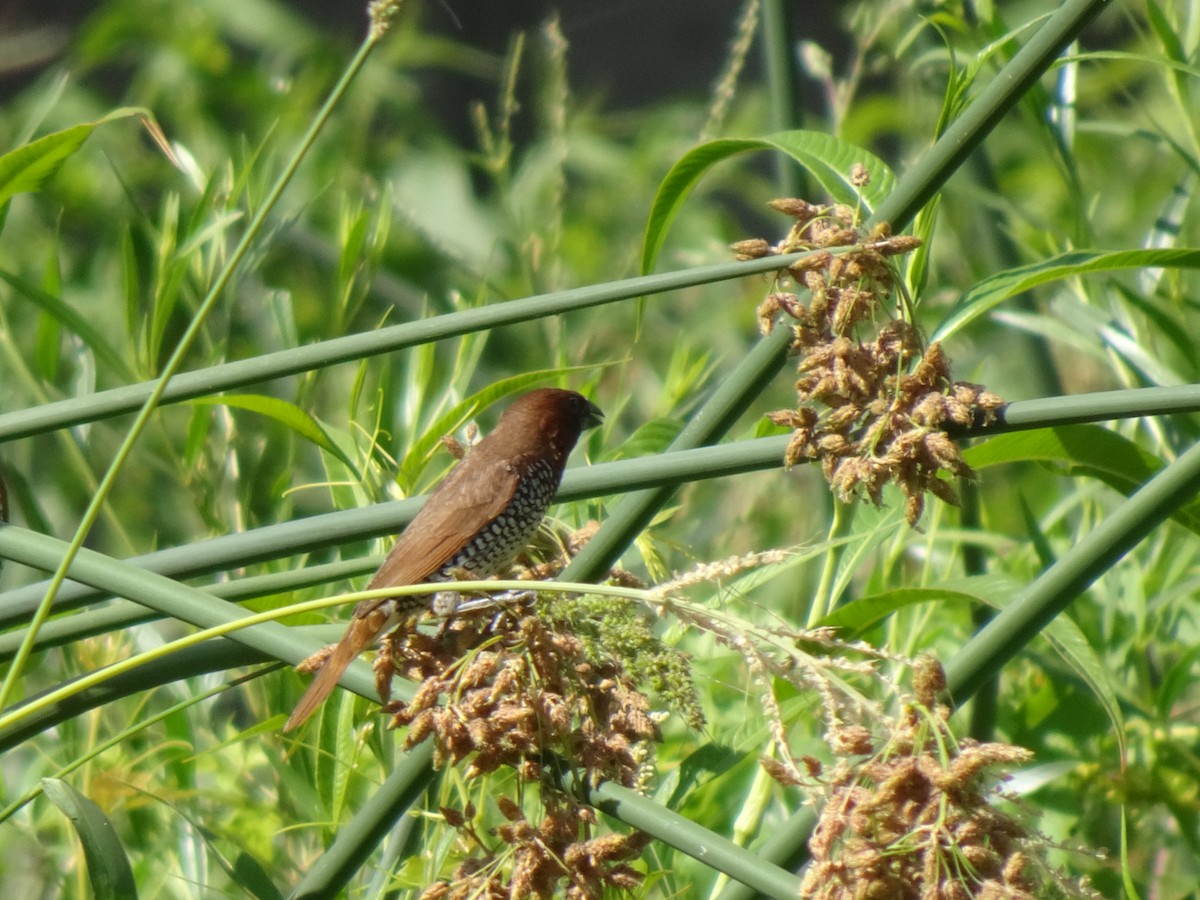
[
  {"x": 994, "y": 591},
  {"x": 288, "y": 414},
  {"x": 857, "y": 616},
  {"x": 830, "y": 161},
  {"x": 249, "y": 873},
  {"x": 108, "y": 866},
  {"x": 1072, "y": 645},
  {"x": 1178, "y": 680},
  {"x": 29, "y": 167},
  {"x": 707, "y": 763},
  {"x": 81, "y": 326},
  {"x": 826, "y": 158},
  {"x": 1080, "y": 445},
  {"x": 992, "y": 291},
  {"x": 49, "y": 327},
  {"x": 1086, "y": 450}
]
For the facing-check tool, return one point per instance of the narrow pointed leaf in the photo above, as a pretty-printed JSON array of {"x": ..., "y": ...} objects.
[
  {"x": 828, "y": 159},
  {"x": 29, "y": 167},
  {"x": 992, "y": 291},
  {"x": 1085, "y": 450},
  {"x": 108, "y": 868},
  {"x": 286, "y": 413}
]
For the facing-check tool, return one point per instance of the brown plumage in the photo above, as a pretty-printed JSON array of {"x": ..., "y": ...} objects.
[{"x": 477, "y": 520}]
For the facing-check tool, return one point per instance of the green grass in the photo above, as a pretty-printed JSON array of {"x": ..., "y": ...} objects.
[{"x": 377, "y": 300}]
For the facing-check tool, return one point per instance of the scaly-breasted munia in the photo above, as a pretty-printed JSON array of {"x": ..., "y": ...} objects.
[{"x": 476, "y": 521}]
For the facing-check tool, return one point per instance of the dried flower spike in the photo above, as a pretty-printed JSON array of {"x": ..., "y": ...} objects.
[{"x": 887, "y": 398}]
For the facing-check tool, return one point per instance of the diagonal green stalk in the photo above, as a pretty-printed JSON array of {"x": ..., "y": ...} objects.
[
  {"x": 378, "y": 817},
  {"x": 175, "y": 362},
  {"x": 281, "y": 363},
  {"x": 179, "y": 601},
  {"x": 634, "y": 512},
  {"x": 286, "y": 539},
  {"x": 1021, "y": 621},
  {"x": 218, "y": 655},
  {"x": 118, "y": 615},
  {"x": 680, "y": 832},
  {"x": 921, "y": 184},
  {"x": 917, "y": 187}
]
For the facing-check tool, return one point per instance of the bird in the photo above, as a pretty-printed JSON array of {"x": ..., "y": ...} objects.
[{"x": 482, "y": 514}]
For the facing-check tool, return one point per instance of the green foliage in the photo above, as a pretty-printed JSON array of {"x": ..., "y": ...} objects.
[
  {"x": 614, "y": 629},
  {"x": 108, "y": 868},
  {"x": 401, "y": 283}
]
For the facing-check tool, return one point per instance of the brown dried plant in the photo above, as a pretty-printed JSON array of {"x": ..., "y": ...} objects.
[
  {"x": 908, "y": 812},
  {"x": 507, "y": 687},
  {"x": 504, "y": 689},
  {"x": 534, "y": 859},
  {"x": 887, "y": 398}
]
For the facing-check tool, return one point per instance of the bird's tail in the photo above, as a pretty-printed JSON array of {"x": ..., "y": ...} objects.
[{"x": 358, "y": 637}]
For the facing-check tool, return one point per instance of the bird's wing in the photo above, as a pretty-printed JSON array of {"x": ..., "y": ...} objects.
[
  {"x": 476, "y": 491},
  {"x": 538, "y": 428},
  {"x": 473, "y": 494}
]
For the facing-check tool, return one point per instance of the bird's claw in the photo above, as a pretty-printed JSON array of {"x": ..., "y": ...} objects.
[{"x": 503, "y": 598}]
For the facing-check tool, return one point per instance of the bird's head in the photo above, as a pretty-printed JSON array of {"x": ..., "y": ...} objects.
[{"x": 556, "y": 416}]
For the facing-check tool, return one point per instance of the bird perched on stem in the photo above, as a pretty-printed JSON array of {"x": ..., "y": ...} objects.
[{"x": 476, "y": 521}]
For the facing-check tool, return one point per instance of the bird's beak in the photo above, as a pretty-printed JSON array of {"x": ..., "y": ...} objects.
[{"x": 595, "y": 416}]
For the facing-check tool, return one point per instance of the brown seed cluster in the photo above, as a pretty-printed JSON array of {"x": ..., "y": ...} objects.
[
  {"x": 524, "y": 686},
  {"x": 909, "y": 818},
  {"x": 887, "y": 399},
  {"x": 542, "y": 856},
  {"x": 515, "y": 688},
  {"x": 504, "y": 689}
]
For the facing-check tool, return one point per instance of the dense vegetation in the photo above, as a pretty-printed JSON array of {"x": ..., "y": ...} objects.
[{"x": 998, "y": 205}]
